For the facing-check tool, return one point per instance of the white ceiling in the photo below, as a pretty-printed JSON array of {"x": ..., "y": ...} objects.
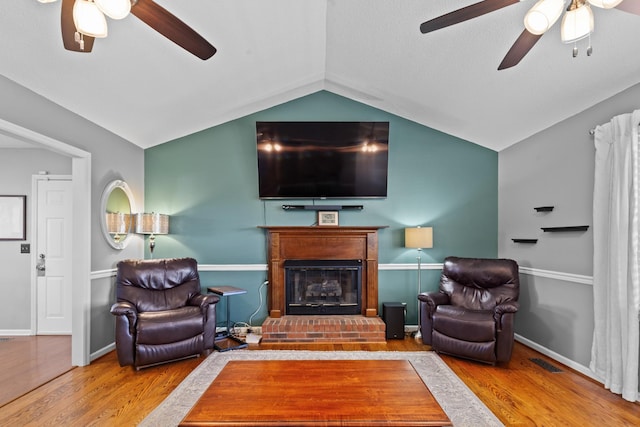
[{"x": 142, "y": 87}]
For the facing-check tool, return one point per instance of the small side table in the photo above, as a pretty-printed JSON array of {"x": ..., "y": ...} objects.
[{"x": 232, "y": 342}]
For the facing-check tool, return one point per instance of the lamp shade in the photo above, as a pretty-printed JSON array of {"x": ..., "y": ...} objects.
[
  {"x": 118, "y": 222},
  {"x": 605, "y": 4},
  {"x": 418, "y": 237},
  {"x": 114, "y": 9},
  {"x": 152, "y": 223},
  {"x": 88, "y": 19},
  {"x": 543, "y": 15},
  {"x": 576, "y": 23}
]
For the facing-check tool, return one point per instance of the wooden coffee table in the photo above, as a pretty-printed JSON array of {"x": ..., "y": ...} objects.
[{"x": 317, "y": 393}]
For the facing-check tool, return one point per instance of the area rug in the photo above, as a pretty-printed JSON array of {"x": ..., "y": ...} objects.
[{"x": 459, "y": 403}]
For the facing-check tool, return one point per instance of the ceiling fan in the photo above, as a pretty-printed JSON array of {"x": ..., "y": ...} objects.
[
  {"x": 577, "y": 22},
  {"x": 84, "y": 20}
]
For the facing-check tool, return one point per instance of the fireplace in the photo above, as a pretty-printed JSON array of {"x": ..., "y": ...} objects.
[
  {"x": 343, "y": 251},
  {"x": 286, "y": 244},
  {"x": 315, "y": 287}
]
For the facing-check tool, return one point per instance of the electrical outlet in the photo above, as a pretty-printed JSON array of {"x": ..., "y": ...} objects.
[{"x": 25, "y": 248}]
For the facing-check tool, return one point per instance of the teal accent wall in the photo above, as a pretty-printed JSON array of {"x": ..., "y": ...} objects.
[{"x": 208, "y": 183}]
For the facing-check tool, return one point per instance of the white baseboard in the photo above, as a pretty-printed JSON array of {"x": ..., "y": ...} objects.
[
  {"x": 102, "y": 351},
  {"x": 558, "y": 357},
  {"x": 15, "y": 332}
]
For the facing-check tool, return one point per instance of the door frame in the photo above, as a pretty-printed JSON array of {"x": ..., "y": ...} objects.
[
  {"x": 35, "y": 179},
  {"x": 80, "y": 235}
]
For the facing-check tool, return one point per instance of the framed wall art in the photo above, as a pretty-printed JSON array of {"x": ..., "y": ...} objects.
[
  {"x": 328, "y": 218},
  {"x": 13, "y": 217}
]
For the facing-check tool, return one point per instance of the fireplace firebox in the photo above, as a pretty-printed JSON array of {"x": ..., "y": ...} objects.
[{"x": 315, "y": 287}]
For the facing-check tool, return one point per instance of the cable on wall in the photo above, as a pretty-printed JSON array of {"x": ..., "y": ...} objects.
[{"x": 261, "y": 301}]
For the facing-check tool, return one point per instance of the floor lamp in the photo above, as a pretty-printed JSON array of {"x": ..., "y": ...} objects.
[{"x": 418, "y": 238}]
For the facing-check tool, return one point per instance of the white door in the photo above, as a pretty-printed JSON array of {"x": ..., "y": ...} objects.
[{"x": 53, "y": 252}]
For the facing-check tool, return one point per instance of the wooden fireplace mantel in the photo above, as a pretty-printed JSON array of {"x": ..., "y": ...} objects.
[{"x": 320, "y": 243}]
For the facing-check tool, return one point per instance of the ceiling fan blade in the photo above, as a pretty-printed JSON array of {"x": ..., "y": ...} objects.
[
  {"x": 631, "y": 6},
  {"x": 520, "y": 48},
  {"x": 69, "y": 30},
  {"x": 464, "y": 14},
  {"x": 172, "y": 28}
]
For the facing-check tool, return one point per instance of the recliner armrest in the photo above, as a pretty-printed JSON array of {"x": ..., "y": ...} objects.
[
  {"x": 433, "y": 300},
  {"x": 505, "y": 307},
  {"x": 204, "y": 300},
  {"x": 123, "y": 308}
]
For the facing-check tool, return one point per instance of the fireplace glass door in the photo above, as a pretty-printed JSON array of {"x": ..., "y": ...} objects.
[{"x": 323, "y": 286}]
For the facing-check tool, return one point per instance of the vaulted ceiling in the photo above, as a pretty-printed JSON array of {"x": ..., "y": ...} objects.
[{"x": 142, "y": 87}]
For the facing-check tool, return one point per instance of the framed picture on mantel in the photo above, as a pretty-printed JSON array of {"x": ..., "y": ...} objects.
[{"x": 328, "y": 218}]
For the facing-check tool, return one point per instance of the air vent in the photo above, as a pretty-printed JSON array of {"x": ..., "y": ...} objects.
[
  {"x": 546, "y": 365},
  {"x": 5, "y": 339}
]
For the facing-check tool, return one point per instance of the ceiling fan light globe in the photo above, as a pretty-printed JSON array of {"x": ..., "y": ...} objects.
[
  {"x": 577, "y": 24},
  {"x": 543, "y": 15},
  {"x": 605, "y": 4},
  {"x": 88, "y": 19},
  {"x": 114, "y": 9}
]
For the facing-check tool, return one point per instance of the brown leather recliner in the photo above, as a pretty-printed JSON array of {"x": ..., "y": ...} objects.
[
  {"x": 472, "y": 314},
  {"x": 160, "y": 312}
]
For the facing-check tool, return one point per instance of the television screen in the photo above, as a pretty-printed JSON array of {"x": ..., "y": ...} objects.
[{"x": 322, "y": 159}]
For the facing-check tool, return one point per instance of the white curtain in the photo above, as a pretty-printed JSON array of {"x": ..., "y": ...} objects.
[{"x": 616, "y": 277}]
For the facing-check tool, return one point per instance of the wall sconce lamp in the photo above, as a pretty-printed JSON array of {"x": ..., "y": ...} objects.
[
  {"x": 418, "y": 238},
  {"x": 118, "y": 224},
  {"x": 152, "y": 224}
]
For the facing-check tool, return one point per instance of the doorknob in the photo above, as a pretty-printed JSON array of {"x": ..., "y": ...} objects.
[{"x": 40, "y": 265}]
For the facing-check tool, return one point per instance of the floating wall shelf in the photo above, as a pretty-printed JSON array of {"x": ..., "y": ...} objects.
[
  {"x": 544, "y": 208},
  {"x": 525, "y": 240},
  {"x": 572, "y": 228}
]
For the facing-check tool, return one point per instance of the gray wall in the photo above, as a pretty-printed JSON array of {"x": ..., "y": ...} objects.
[
  {"x": 555, "y": 167},
  {"x": 111, "y": 158},
  {"x": 16, "y": 168}
]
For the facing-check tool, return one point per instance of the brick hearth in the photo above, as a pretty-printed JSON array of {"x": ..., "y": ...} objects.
[{"x": 318, "y": 329}]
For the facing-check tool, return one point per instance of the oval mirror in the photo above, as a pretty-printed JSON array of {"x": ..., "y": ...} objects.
[{"x": 116, "y": 213}]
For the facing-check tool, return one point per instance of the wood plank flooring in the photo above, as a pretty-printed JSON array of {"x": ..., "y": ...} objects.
[
  {"x": 520, "y": 393},
  {"x": 28, "y": 362}
]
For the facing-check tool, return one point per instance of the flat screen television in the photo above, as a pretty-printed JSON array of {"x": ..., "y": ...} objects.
[{"x": 318, "y": 160}]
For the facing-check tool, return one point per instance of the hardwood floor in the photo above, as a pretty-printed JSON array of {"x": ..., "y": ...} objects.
[
  {"x": 28, "y": 362},
  {"x": 520, "y": 393}
]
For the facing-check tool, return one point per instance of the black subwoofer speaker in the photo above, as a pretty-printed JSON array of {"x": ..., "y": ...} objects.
[{"x": 393, "y": 314}]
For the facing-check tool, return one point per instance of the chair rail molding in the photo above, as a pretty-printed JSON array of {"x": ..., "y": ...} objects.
[
  {"x": 103, "y": 274},
  {"x": 263, "y": 267},
  {"x": 411, "y": 266},
  {"x": 558, "y": 275}
]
